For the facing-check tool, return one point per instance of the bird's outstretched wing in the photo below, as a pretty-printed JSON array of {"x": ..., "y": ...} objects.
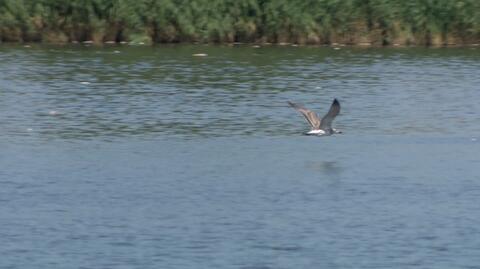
[
  {"x": 309, "y": 115},
  {"x": 326, "y": 122}
]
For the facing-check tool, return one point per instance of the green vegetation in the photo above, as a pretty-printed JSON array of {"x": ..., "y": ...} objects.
[{"x": 377, "y": 22}]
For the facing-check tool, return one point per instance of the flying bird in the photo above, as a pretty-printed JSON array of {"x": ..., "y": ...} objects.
[{"x": 320, "y": 126}]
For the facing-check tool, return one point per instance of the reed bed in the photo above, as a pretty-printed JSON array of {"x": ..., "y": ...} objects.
[{"x": 356, "y": 22}]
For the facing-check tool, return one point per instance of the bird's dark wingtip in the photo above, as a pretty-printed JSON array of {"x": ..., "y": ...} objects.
[{"x": 335, "y": 101}]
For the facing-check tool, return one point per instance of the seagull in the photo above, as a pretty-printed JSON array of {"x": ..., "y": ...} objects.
[{"x": 320, "y": 126}]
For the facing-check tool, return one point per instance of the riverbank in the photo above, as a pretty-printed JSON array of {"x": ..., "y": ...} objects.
[{"x": 323, "y": 22}]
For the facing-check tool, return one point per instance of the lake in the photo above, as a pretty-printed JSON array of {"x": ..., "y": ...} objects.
[{"x": 149, "y": 157}]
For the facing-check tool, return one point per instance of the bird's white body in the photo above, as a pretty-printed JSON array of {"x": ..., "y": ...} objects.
[
  {"x": 322, "y": 132},
  {"x": 316, "y": 132}
]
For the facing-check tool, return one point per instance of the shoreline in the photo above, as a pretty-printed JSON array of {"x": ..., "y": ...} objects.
[{"x": 89, "y": 43}]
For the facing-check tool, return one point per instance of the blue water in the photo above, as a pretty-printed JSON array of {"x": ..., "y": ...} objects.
[{"x": 147, "y": 157}]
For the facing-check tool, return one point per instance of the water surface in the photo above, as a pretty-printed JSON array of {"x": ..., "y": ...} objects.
[{"x": 148, "y": 157}]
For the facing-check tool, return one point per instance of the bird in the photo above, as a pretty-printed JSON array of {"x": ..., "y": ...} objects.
[{"x": 319, "y": 126}]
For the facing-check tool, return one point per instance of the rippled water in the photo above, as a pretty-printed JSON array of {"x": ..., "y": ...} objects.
[{"x": 148, "y": 157}]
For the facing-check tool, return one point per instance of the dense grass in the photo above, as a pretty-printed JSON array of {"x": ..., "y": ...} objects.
[{"x": 377, "y": 22}]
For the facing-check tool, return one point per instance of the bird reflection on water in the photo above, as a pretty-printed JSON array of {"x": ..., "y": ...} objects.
[{"x": 327, "y": 167}]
